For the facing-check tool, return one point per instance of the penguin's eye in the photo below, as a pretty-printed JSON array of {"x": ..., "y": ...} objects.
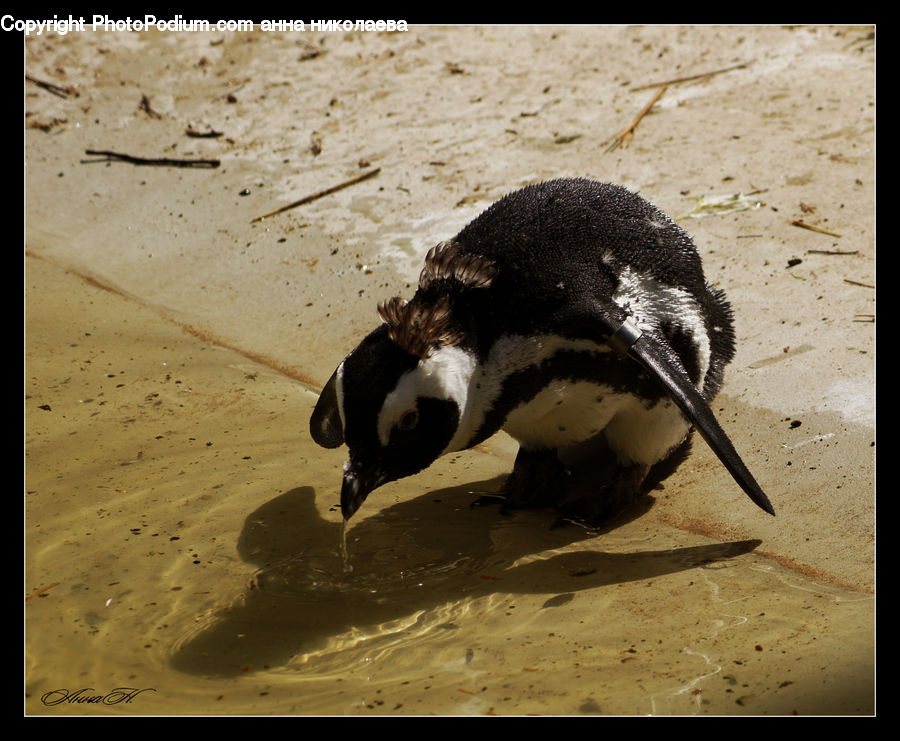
[{"x": 408, "y": 420}]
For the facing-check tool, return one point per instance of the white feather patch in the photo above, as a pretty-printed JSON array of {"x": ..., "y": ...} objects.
[
  {"x": 445, "y": 374},
  {"x": 564, "y": 413},
  {"x": 653, "y": 304},
  {"x": 638, "y": 434}
]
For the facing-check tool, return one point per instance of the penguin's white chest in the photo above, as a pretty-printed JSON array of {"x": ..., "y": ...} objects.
[{"x": 564, "y": 413}]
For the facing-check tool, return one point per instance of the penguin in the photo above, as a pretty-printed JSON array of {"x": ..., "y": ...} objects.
[{"x": 568, "y": 310}]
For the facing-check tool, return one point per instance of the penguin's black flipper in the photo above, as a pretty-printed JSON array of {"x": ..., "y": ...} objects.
[{"x": 665, "y": 366}]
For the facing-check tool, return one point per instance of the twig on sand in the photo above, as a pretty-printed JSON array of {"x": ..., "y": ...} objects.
[
  {"x": 832, "y": 252},
  {"x": 62, "y": 92},
  {"x": 690, "y": 78},
  {"x": 211, "y": 134},
  {"x": 145, "y": 106},
  {"x": 39, "y": 592},
  {"x": 625, "y": 136},
  {"x": 857, "y": 283},
  {"x": 319, "y": 194},
  {"x": 157, "y": 161},
  {"x": 813, "y": 228}
]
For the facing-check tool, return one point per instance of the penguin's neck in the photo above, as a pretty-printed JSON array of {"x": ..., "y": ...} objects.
[{"x": 448, "y": 373}]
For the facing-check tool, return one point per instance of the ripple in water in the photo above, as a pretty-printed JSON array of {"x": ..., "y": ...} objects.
[{"x": 323, "y": 611}]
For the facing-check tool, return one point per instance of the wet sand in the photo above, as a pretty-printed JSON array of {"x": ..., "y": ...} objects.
[{"x": 182, "y": 536}]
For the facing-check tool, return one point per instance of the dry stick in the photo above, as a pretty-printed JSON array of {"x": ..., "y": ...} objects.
[
  {"x": 857, "y": 283},
  {"x": 211, "y": 134},
  {"x": 620, "y": 139},
  {"x": 812, "y": 228},
  {"x": 691, "y": 77},
  {"x": 314, "y": 196},
  {"x": 832, "y": 252},
  {"x": 39, "y": 592},
  {"x": 160, "y": 161},
  {"x": 146, "y": 108},
  {"x": 62, "y": 92}
]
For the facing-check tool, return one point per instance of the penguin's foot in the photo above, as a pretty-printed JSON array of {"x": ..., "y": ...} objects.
[
  {"x": 595, "y": 508},
  {"x": 538, "y": 479}
]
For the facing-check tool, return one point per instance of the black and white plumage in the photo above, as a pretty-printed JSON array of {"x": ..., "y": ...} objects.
[{"x": 566, "y": 310}]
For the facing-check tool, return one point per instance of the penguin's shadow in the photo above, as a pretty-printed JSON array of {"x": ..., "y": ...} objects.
[{"x": 410, "y": 557}]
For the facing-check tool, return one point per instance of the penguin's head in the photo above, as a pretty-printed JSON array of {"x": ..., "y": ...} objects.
[
  {"x": 396, "y": 410},
  {"x": 399, "y": 399}
]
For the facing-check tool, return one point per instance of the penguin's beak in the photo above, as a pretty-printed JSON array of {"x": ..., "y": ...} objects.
[{"x": 359, "y": 481}]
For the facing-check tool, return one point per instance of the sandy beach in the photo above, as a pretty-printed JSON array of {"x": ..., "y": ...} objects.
[{"x": 182, "y": 530}]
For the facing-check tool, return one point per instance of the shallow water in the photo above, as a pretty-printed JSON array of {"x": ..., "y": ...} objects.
[{"x": 184, "y": 540}]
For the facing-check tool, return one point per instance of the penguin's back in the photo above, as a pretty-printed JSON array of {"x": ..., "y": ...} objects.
[
  {"x": 562, "y": 245},
  {"x": 575, "y": 227}
]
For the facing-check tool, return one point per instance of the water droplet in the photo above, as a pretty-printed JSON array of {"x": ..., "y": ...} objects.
[{"x": 345, "y": 554}]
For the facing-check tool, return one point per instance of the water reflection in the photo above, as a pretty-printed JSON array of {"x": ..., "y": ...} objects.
[{"x": 418, "y": 565}]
